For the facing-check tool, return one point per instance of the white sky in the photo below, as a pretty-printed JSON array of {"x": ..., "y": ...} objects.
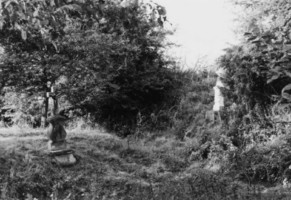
[{"x": 204, "y": 28}]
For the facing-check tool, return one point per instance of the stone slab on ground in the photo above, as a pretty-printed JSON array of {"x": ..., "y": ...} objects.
[
  {"x": 65, "y": 160},
  {"x": 61, "y": 154}
]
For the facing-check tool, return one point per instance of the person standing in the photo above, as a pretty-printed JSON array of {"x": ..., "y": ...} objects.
[{"x": 218, "y": 96}]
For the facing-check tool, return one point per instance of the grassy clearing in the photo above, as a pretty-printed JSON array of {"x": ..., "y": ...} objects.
[
  {"x": 18, "y": 131},
  {"x": 108, "y": 168}
]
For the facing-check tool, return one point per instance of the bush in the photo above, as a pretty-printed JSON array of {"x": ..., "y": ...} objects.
[{"x": 122, "y": 75}]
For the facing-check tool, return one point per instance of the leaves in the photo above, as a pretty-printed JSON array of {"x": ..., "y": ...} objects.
[
  {"x": 259, "y": 67},
  {"x": 112, "y": 67},
  {"x": 288, "y": 73},
  {"x": 273, "y": 78},
  {"x": 52, "y": 3},
  {"x": 287, "y": 47},
  {"x": 285, "y": 94},
  {"x": 23, "y": 34}
]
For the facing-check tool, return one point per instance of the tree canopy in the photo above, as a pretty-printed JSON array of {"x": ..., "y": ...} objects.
[{"x": 105, "y": 57}]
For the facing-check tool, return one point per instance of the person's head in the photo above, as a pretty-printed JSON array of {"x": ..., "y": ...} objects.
[{"x": 221, "y": 73}]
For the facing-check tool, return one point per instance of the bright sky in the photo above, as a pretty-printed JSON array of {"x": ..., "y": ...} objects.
[{"x": 204, "y": 28}]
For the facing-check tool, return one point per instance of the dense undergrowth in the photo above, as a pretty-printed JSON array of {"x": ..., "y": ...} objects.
[
  {"x": 108, "y": 168},
  {"x": 193, "y": 157}
]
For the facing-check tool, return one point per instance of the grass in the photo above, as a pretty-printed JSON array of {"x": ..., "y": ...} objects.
[
  {"x": 17, "y": 131},
  {"x": 108, "y": 169}
]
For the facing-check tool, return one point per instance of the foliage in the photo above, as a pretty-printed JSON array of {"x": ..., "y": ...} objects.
[
  {"x": 29, "y": 32},
  {"x": 21, "y": 109},
  {"x": 111, "y": 55},
  {"x": 121, "y": 71},
  {"x": 190, "y": 114},
  {"x": 264, "y": 160},
  {"x": 258, "y": 77},
  {"x": 257, "y": 71}
]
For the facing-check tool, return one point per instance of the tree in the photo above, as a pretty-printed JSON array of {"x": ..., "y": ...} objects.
[
  {"x": 30, "y": 31},
  {"x": 258, "y": 68},
  {"x": 111, "y": 54},
  {"x": 121, "y": 70}
]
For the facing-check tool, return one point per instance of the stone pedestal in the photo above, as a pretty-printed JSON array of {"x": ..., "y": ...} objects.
[
  {"x": 61, "y": 154},
  {"x": 54, "y": 147},
  {"x": 57, "y": 144}
]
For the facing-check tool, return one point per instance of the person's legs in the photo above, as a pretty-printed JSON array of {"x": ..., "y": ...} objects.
[{"x": 217, "y": 116}]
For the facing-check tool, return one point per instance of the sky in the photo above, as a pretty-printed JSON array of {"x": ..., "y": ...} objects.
[{"x": 204, "y": 28}]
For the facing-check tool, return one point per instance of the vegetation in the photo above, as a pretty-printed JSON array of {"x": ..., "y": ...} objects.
[
  {"x": 259, "y": 81},
  {"x": 108, "y": 169},
  {"x": 106, "y": 61},
  {"x": 104, "y": 58}
]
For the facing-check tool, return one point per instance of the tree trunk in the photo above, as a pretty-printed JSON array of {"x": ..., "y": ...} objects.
[
  {"x": 55, "y": 105},
  {"x": 44, "y": 111}
]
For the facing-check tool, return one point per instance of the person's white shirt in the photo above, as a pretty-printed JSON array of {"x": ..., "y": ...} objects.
[{"x": 218, "y": 96}]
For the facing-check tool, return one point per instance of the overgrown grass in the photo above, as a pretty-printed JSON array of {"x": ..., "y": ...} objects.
[{"x": 108, "y": 168}]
